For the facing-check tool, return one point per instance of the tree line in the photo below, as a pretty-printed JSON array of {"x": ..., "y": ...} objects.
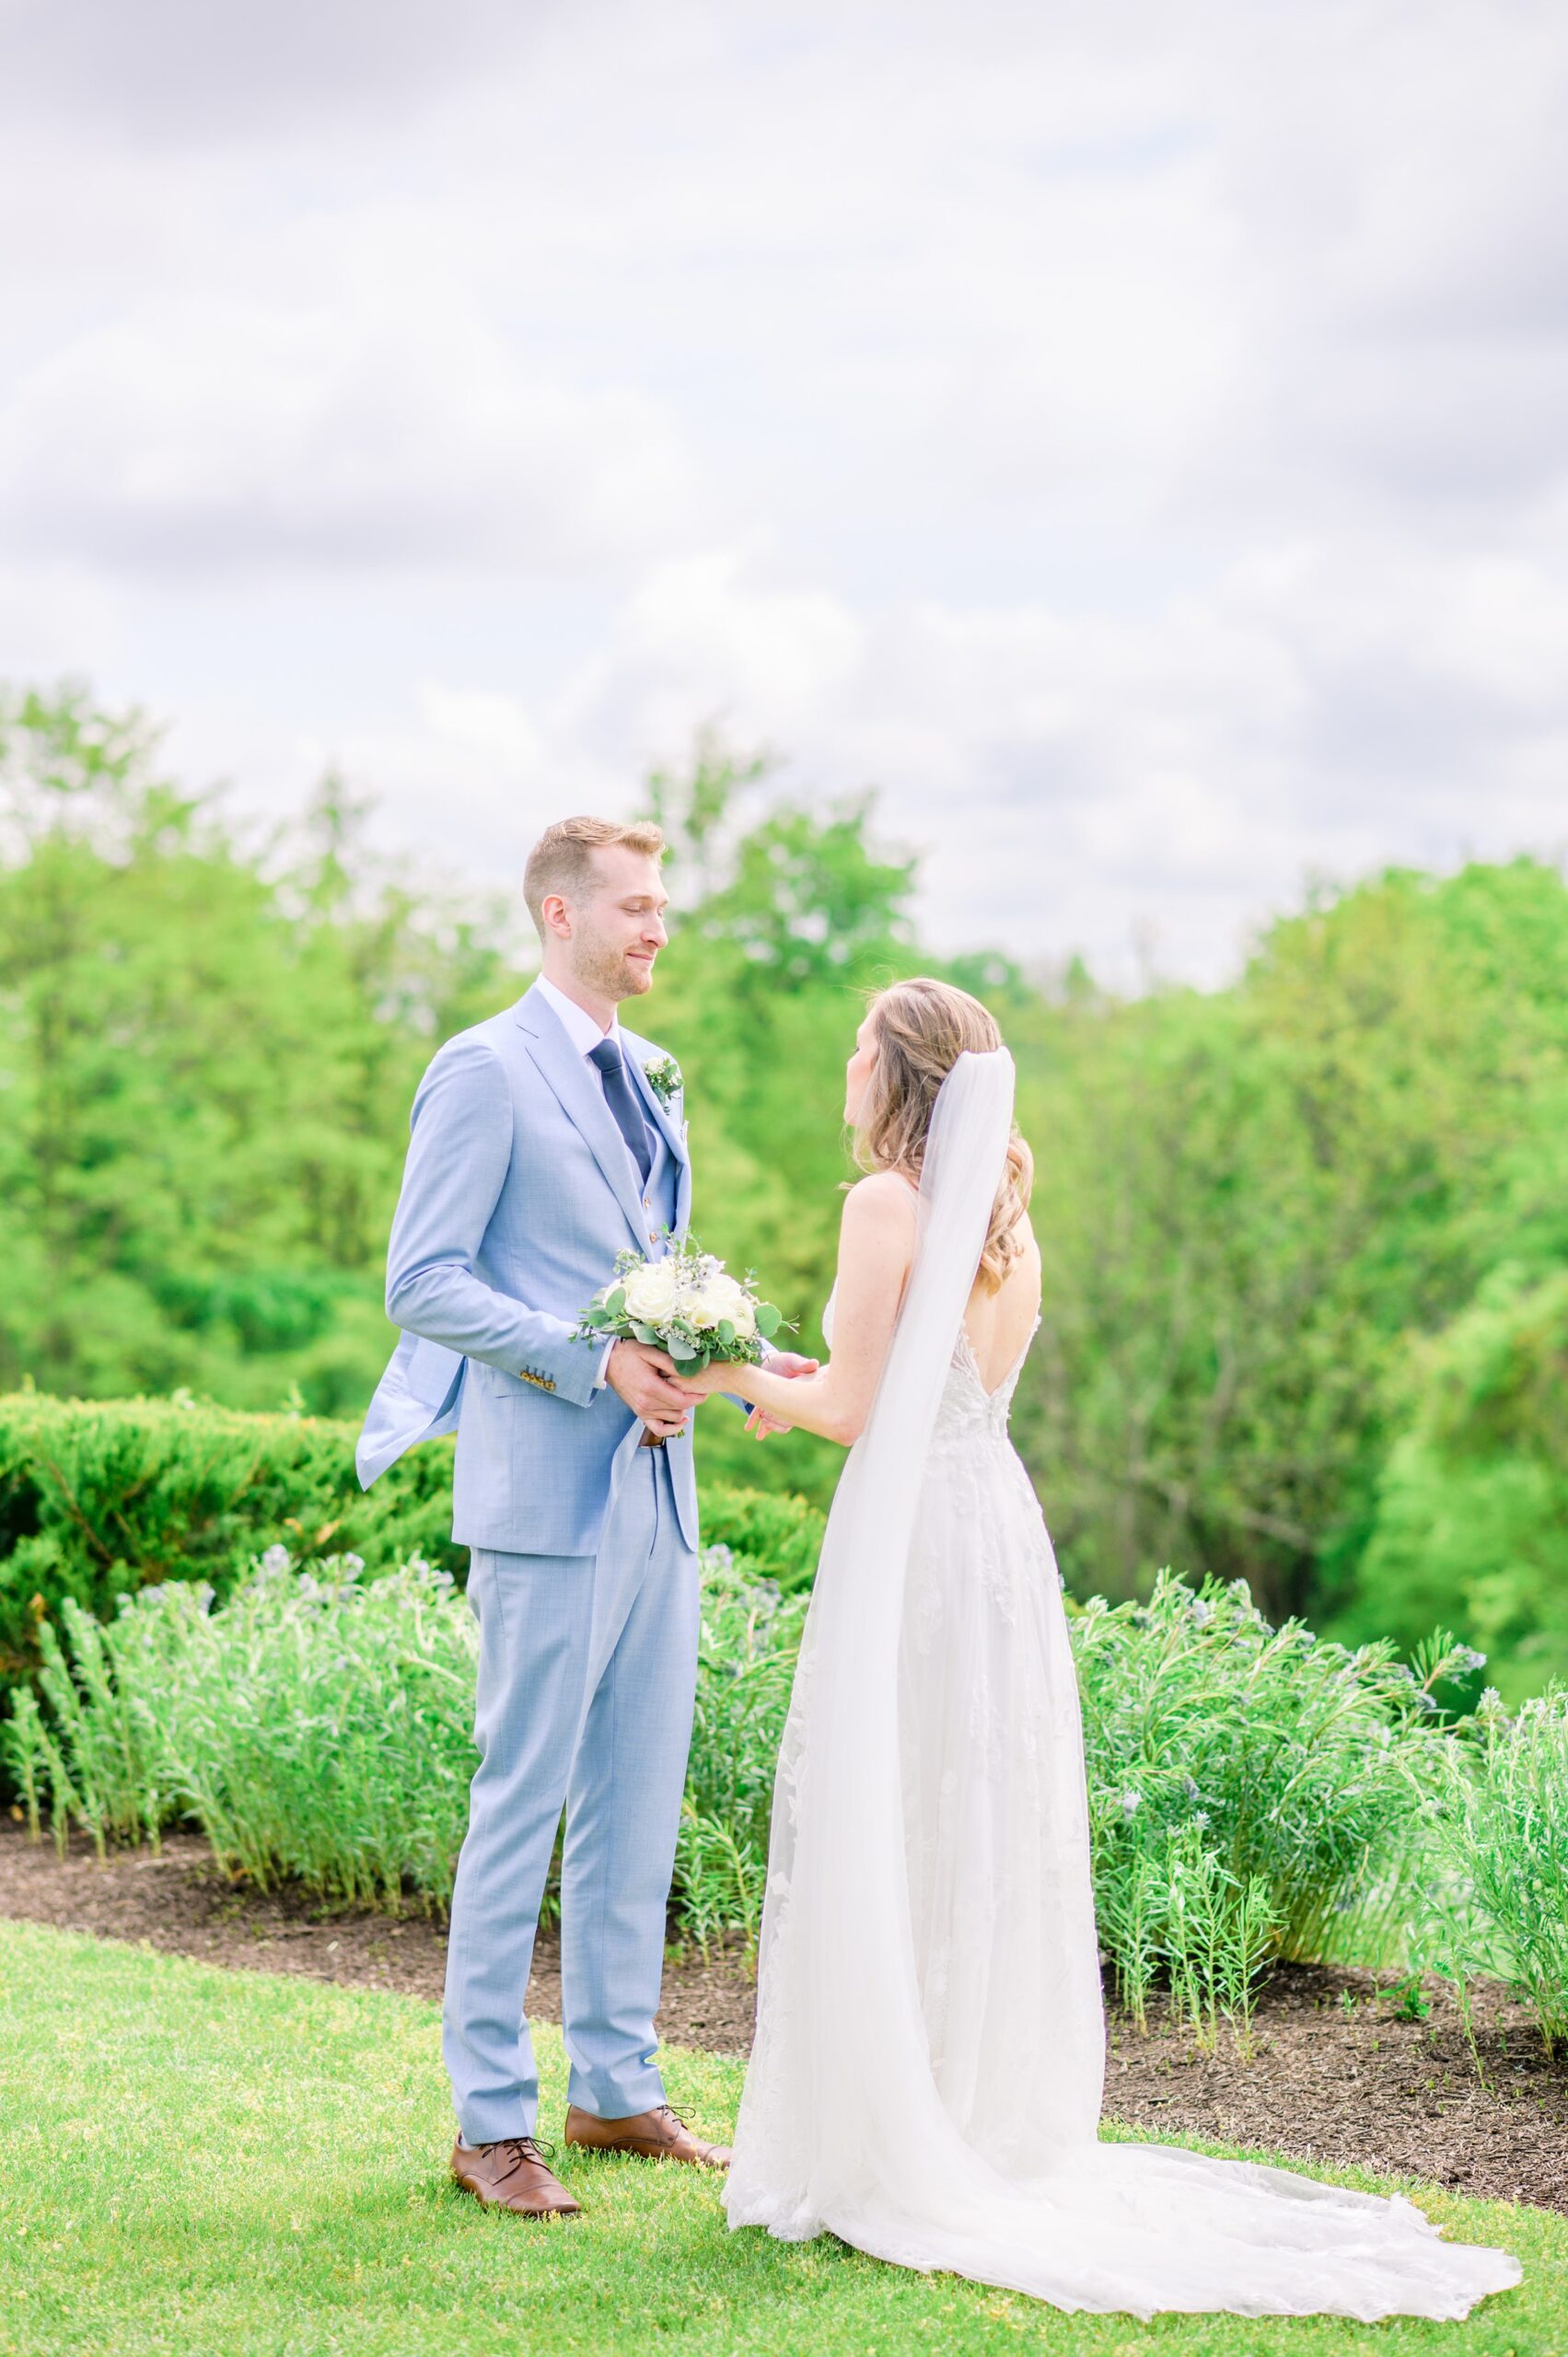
[{"x": 1305, "y": 1237}]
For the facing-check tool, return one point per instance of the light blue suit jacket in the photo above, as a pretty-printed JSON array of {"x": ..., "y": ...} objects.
[{"x": 518, "y": 1194}]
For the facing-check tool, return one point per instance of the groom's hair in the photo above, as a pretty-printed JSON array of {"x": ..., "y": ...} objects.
[{"x": 561, "y": 860}]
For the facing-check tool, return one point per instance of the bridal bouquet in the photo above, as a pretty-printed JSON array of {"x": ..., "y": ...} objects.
[{"x": 685, "y": 1304}]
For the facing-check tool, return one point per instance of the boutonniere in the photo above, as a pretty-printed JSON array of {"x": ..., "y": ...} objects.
[{"x": 663, "y": 1076}]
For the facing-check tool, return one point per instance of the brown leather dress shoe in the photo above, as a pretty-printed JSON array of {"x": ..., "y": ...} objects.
[
  {"x": 512, "y": 2175},
  {"x": 657, "y": 2135}
]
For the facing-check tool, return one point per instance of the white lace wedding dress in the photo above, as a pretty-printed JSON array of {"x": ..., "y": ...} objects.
[{"x": 927, "y": 2077}]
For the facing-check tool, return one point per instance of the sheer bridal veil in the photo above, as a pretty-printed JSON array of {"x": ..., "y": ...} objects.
[{"x": 842, "y": 2127}]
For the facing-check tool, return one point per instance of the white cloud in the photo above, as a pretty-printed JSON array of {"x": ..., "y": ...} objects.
[
  {"x": 1133, "y": 438},
  {"x": 186, "y": 70},
  {"x": 708, "y": 637},
  {"x": 1072, "y": 783},
  {"x": 224, "y": 437}
]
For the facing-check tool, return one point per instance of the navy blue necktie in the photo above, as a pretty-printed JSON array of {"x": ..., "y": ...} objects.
[{"x": 622, "y": 1104}]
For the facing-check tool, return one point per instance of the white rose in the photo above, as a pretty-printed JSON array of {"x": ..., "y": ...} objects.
[
  {"x": 652, "y": 1292},
  {"x": 701, "y": 1304},
  {"x": 721, "y": 1297}
]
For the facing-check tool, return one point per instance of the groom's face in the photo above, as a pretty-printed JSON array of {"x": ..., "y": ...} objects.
[{"x": 618, "y": 927}]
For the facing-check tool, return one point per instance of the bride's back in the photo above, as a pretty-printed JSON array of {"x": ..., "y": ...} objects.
[{"x": 999, "y": 1324}]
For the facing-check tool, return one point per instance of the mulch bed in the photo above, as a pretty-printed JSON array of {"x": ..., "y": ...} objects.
[
  {"x": 178, "y": 1900},
  {"x": 1336, "y": 2076}
]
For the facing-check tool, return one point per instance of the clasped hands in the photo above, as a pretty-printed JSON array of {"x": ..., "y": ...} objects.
[{"x": 655, "y": 1390}]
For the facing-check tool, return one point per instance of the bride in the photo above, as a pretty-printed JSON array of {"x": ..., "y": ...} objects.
[{"x": 927, "y": 2077}]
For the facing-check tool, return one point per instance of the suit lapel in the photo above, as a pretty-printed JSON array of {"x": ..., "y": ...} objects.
[
  {"x": 576, "y": 1085},
  {"x": 635, "y": 1049}
]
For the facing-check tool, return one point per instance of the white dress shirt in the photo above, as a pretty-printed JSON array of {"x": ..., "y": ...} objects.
[
  {"x": 583, "y": 1029},
  {"x": 585, "y": 1032}
]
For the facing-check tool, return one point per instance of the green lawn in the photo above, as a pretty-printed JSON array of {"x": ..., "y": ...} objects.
[{"x": 194, "y": 2160}]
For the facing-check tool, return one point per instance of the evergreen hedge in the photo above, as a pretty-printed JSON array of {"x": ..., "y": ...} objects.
[{"x": 99, "y": 1498}]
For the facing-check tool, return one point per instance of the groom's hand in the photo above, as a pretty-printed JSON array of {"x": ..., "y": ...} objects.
[{"x": 642, "y": 1377}]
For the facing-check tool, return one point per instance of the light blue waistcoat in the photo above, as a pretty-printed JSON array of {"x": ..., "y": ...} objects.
[{"x": 518, "y": 1194}]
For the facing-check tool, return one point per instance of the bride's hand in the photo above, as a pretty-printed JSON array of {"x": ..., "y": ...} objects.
[{"x": 758, "y": 1423}]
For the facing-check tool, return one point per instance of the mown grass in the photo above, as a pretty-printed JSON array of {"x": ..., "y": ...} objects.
[{"x": 199, "y": 2162}]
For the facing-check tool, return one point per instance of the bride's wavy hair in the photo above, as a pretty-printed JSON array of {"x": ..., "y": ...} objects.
[{"x": 920, "y": 1029}]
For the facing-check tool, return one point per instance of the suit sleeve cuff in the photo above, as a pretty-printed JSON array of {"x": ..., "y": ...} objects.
[{"x": 603, "y": 1375}]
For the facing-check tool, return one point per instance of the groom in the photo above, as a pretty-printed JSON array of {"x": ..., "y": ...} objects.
[{"x": 538, "y": 1150}]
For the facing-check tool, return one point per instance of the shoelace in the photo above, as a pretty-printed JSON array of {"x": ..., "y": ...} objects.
[{"x": 525, "y": 2148}]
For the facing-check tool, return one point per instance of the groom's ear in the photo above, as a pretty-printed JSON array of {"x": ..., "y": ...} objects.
[{"x": 554, "y": 918}]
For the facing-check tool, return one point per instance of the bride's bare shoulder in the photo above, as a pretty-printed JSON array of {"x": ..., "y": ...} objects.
[
  {"x": 882, "y": 1197},
  {"x": 878, "y": 1221}
]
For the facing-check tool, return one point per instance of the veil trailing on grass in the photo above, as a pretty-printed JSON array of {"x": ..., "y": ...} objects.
[{"x": 850, "y": 2123}]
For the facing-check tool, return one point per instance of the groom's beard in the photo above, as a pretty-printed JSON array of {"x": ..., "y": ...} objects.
[{"x": 612, "y": 972}]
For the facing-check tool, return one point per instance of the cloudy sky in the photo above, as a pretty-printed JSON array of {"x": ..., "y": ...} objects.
[{"x": 1132, "y": 438}]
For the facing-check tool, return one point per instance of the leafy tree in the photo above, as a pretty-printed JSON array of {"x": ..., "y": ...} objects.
[
  {"x": 1249, "y": 1198},
  {"x": 208, "y": 1049},
  {"x": 1471, "y": 1518}
]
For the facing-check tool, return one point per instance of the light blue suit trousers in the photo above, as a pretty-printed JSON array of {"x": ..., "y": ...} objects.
[{"x": 586, "y": 1682}]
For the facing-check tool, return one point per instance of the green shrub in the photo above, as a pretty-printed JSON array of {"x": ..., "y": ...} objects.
[
  {"x": 1252, "y": 1791},
  {"x": 318, "y": 1726},
  {"x": 750, "y": 1636},
  {"x": 1497, "y": 1901},
  {"x": 99, "y": 1498},
  {"x": 1248, "y": 1786},
  {"x": 769, "y": 1532}
]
